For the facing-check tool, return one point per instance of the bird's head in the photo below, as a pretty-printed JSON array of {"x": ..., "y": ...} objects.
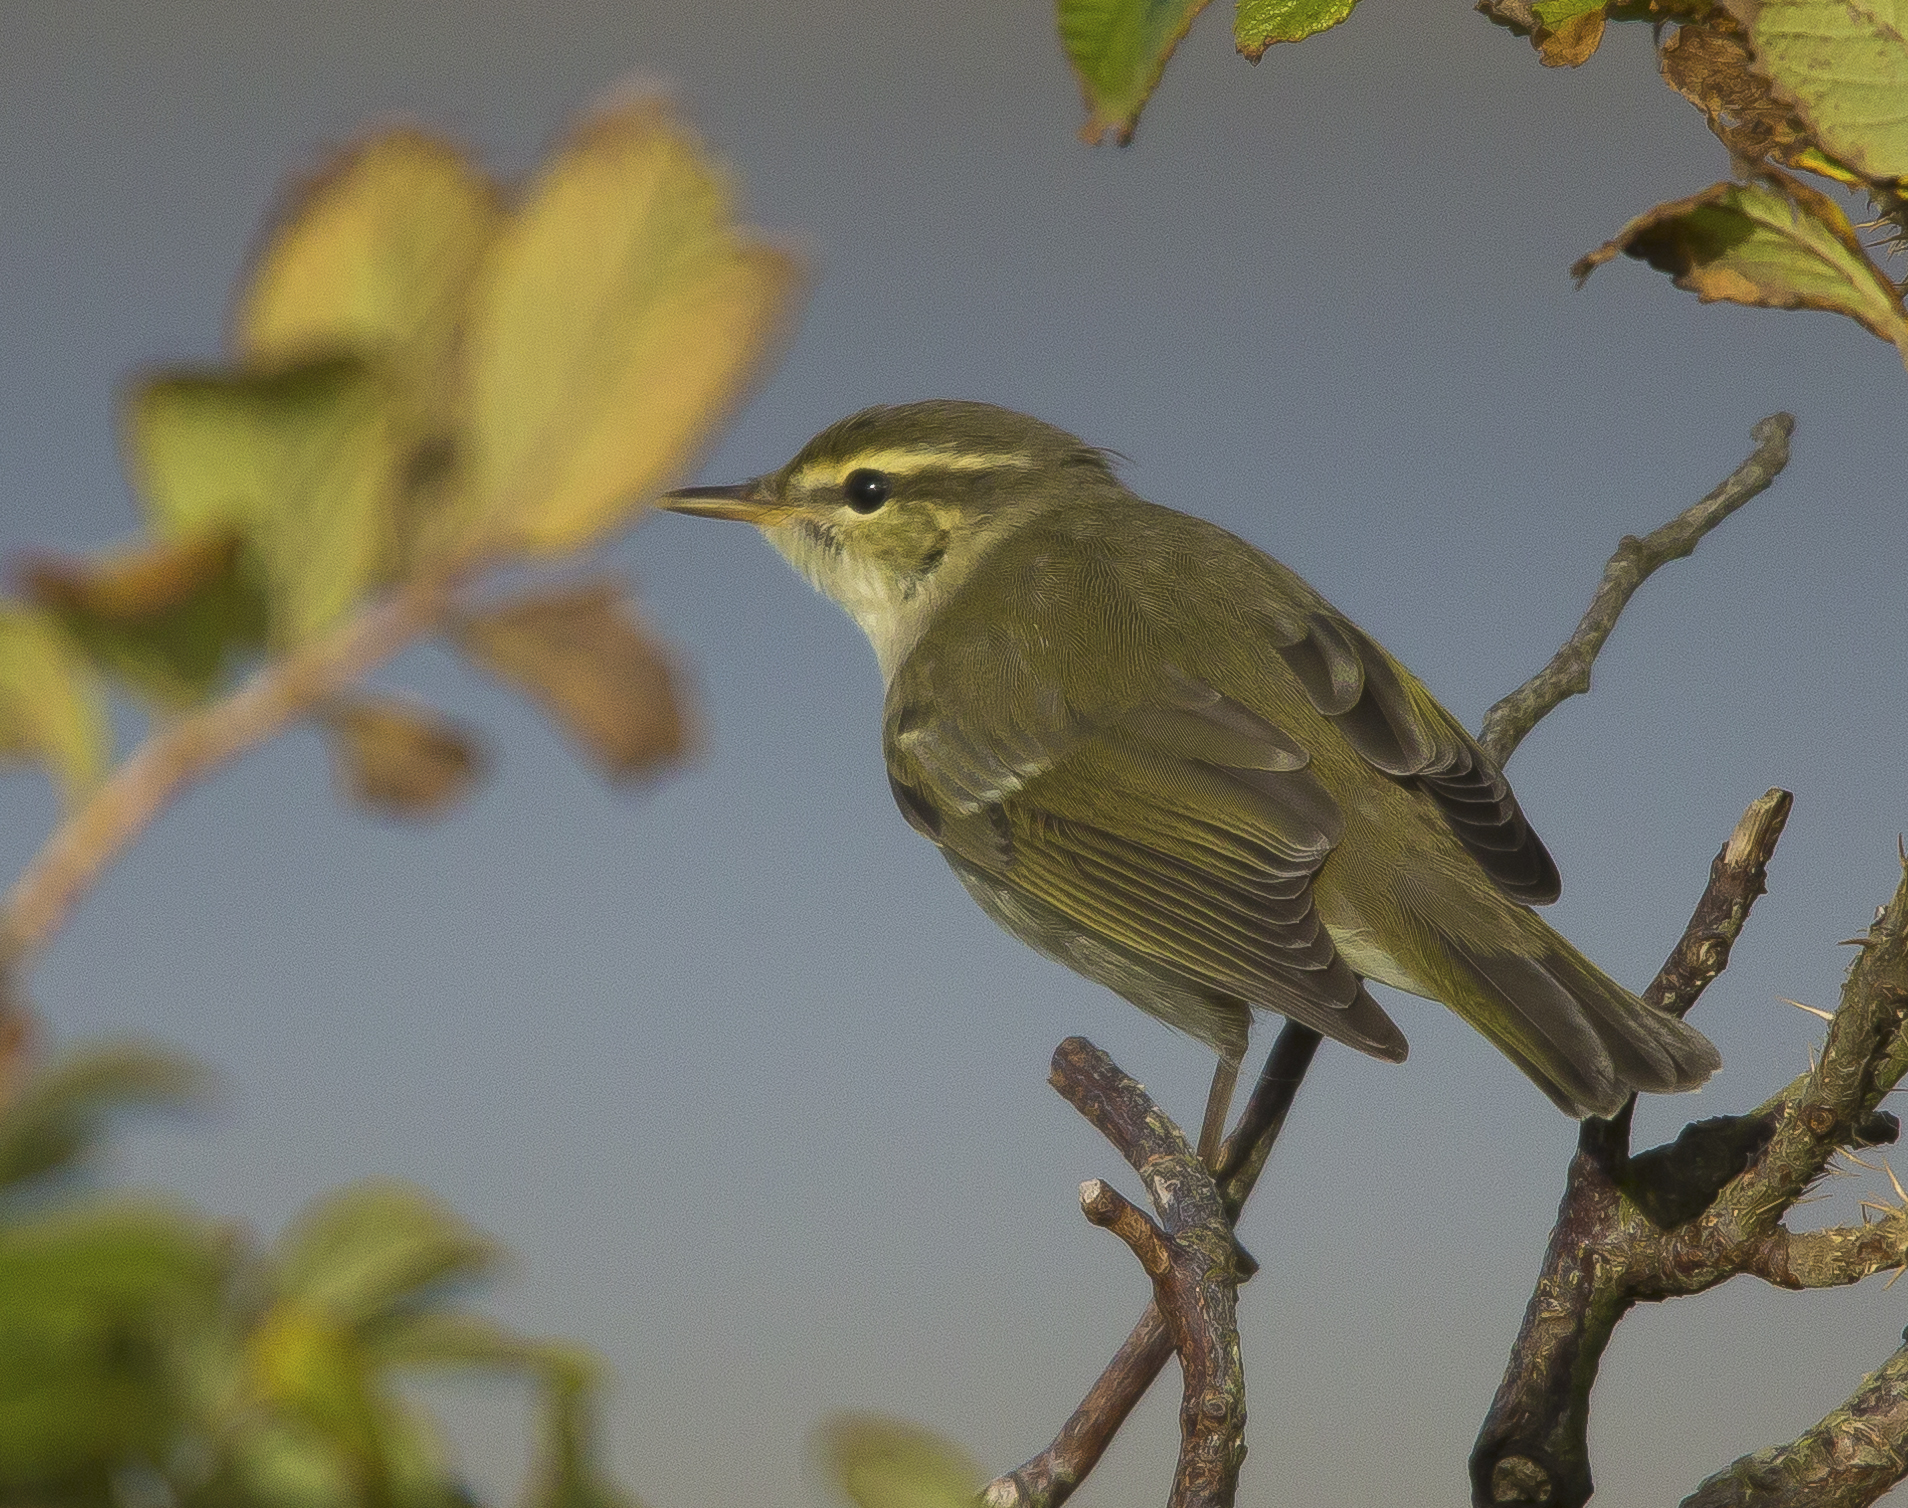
[{"x": 889, "y": 510}]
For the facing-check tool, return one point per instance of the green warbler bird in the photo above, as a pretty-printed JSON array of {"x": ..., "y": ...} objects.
[{"x": 1156, "y": 755}]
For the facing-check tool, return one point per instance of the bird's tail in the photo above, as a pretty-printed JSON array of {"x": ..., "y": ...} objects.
[{"x": 1582, "y": 1038}]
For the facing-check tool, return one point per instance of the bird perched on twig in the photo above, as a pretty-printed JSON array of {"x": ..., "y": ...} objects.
[{"x": 1156, "y": 755}]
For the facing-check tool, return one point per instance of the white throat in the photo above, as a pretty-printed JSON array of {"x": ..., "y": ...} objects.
[{"x": 893, "y": 613}]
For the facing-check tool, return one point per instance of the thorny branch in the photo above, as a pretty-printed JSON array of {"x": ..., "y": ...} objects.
[
  {"x": 1568, "y": 673},
  {"x": 1847, "y": 1461},
  {"x": 1681, "y": 1219},
  {"x": 1050, "y": 1478}
]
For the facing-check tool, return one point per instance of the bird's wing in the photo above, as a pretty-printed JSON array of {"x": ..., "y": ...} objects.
[
  {"x": 1397, "y": 726},
  {"x": 1183, "y": 831}
]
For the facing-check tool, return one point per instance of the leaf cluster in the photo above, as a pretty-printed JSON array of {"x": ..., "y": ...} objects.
[
  {"x": 1814, "y": 86},
  {"x": 427, "y": 377},
  {"x": 149, "y": 1354}
]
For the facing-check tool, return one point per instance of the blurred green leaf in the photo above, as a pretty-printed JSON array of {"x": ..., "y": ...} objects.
[
  {"x": 884, "y": 1463},
  {"x": 1774, "y": 243},
  {"x": 269, "y": 1462},
  {"x": 594, "y": 667},
  {"x": 1118, "y": 49},
  {"x": 400, "y": 758},
  {"x": 458, "y": 1338},
  {"x": 303, "y": 462},
  {"x": 1843, "y": 64},
  {"x": 1259, "y": 24},
  {"x": 51, "y": 709},
  {"x": 169, "y": 619},
  {"x": 569, "y": 1471},
  {"x": 620, "y": 317},
  {"x": 305, "y": 1368},
  {"x": 102, "y": 1304},
  {"x": 360, "y": 1253},
  {"x": 59, "y": 1112}
]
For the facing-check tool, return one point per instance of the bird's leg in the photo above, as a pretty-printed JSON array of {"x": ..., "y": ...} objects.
[{"x": 1218, "y": 1101}]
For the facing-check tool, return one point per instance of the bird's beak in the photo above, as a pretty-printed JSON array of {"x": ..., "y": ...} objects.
[{"x": 751, "y": 502}]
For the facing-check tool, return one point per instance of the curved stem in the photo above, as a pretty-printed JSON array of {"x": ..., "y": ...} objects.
[
  {"x": 187, "y": 749},
  {"x": 1635, "y": 560}
]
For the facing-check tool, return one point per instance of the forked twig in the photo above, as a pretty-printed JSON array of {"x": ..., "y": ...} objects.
[
  {"x": 1050, "y": 1478},
  {"x": 1195, "y": 1284}
]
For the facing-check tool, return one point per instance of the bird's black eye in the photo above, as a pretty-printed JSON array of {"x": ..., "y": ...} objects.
[{"x": 865, "y": 490}]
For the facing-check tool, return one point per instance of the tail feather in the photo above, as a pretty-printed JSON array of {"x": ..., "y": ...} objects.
[{"x": 1587, "y": 1042}]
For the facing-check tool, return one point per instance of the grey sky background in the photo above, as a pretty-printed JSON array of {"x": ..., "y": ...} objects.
[{"x": 750, "y": 1087}]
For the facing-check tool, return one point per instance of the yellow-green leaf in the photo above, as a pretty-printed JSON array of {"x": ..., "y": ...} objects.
[
  {"x": 883, "y": 1463},
  {"x": 374, "y": 258},
  {"x": 1259, "y": 24},
  {"x": 619, "y": 318},
  {"x": 168, "y": 618},
  {"x": 583, "y": 655},
  {"x": 51, "y": 709},
  {"x": 1774, "y": 243},
  {"x": 1843, "y": 64},
  {"x": 304, "y": 462},
  {"x": 1118, "y": 49},
  {"x": 401, "y": 759}
]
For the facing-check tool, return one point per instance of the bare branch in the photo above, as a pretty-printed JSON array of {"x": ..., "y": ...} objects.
[
  {"x": 1827, "y": 1107},
  {"x": 1106, "y": 1207},
  {"x": 1835, "y": 1257},
  {"x": 1568, "y": 673},
  {"x": 1847, "y": 1461},
  {"x": 1195, "y": 1287},
  {"x": 1629, "y": 1232},
  {"x": 1737, "y": 876},
  {"x": 1049, "y": 1479}
]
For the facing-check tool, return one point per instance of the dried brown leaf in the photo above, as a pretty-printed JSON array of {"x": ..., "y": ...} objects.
[
  {"x": 136, "y": 584},
  {"x": 1708, "y": 63},
  {"x": 402, "y": 759},
  {"x": 585, "y": 657},
  {"x": 1514, "y": 16},
  {"x": 1568, "y": 40}
]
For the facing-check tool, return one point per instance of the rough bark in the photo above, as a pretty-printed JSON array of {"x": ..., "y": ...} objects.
[{"x": 1681, "y": 1219}]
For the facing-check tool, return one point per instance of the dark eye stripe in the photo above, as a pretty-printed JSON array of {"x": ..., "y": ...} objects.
[{"x": 866, "y": 490}]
